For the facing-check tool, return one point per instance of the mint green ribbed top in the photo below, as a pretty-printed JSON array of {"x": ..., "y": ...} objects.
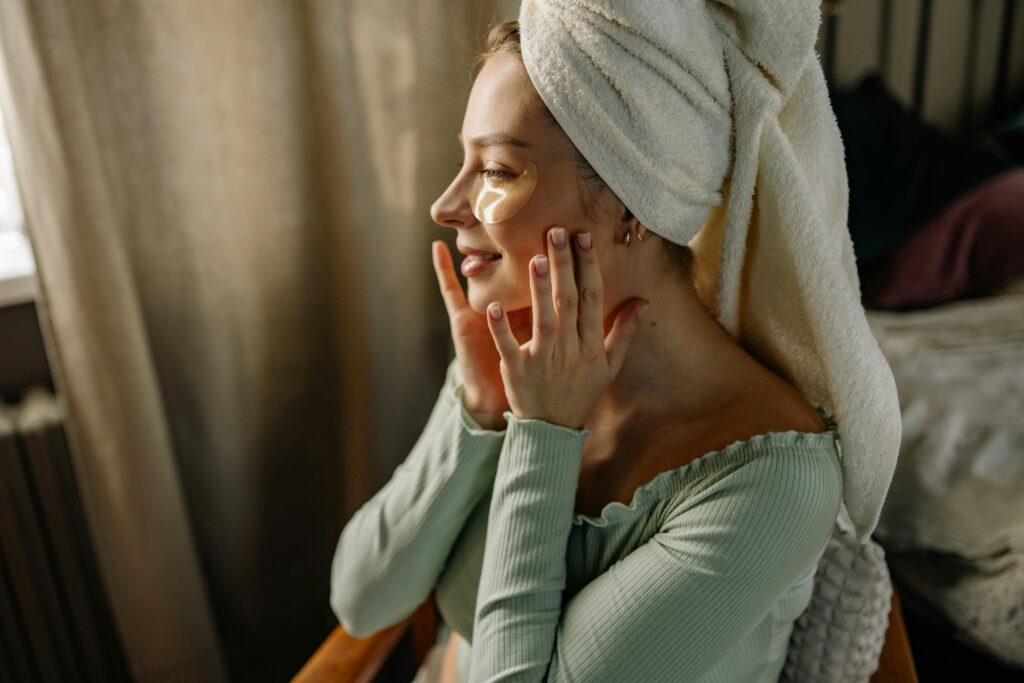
[{"x": 699, "y": 579}]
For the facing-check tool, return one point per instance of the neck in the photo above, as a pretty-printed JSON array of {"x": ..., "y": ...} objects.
[{"x": 680, "y": 360}]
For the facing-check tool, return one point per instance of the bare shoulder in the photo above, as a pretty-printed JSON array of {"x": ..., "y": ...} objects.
[
  {"x": 775, "y": 405},
  {"x": 769, "y": 406}
]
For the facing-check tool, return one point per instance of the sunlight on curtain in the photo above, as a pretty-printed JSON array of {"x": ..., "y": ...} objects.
[
  {"x": 10, "y": 205},
  {"x": 16, "y": 263}
]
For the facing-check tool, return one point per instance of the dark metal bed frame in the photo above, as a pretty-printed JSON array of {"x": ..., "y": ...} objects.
[{"x": 1003, "y": 102}]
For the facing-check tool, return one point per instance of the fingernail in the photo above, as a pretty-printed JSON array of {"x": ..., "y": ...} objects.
[
  {"x": 542, "y": 265},
  {"x": 558, "y": 237},
  {"x": 640, "y": 311},
  {"x": 495, "y": 311},
  {"x": 584, "y": 240}
]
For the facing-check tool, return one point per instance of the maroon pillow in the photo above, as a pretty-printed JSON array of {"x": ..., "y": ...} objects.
[{"x": 969, "y": 249}]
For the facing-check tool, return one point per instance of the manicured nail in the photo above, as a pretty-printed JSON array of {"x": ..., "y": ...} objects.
[
  {"x": 584, "y": 240},
  {"x": 558, "y": 237},
  {"x": 541, "y": 264},
  {"x": 495, "y": 311}
]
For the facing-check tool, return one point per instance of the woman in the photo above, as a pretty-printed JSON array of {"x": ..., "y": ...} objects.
[{"x": 703, "y": 486}]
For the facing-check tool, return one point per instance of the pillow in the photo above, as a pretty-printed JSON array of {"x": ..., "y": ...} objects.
[
  {"x": 839, "y": 636},
  {"x": 972, "y": 248},
  {"x": 901, "y": 170}
]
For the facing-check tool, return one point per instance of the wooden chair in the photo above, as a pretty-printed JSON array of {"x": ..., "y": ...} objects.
[{"x": 344, "y": 659}]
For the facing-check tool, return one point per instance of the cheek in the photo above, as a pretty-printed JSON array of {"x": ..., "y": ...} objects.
[
  {"x": 518, "y": 247},
  {"x": 532, "y": 208},
  {"x": 497, "y": 201}
]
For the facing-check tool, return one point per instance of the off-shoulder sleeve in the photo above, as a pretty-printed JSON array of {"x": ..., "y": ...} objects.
[
  {"x": 670, "y": 610},
  {"x": 393, "y": 549}
]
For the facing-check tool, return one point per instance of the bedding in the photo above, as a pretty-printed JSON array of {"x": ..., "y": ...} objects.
[
  {"x": 953, "y": 523},
  {"x": 903, "y": 170},
  {"x": 968, "y": 250}
]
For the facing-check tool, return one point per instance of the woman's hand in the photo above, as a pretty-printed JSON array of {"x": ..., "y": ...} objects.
[
  {"x": 559, "y": 375},
  {"x": 484, "y": 391}
]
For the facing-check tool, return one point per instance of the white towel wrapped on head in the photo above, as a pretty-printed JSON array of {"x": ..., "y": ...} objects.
[{"x": 711, "y": 121}]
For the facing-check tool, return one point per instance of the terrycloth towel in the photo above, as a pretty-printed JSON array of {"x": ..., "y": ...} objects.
[{"x": 686, "y": 108}]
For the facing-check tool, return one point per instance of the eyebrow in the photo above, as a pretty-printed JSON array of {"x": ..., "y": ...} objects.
[{"x": 496, "y": 139}]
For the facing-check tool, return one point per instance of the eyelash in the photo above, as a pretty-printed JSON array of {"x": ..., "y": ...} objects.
[{"x": 491, "y": 173}]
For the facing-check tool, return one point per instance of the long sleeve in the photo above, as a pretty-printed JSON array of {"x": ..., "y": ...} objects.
[
  {"x": 672, "y": 609},
  {"x": 393, "y": 549}
]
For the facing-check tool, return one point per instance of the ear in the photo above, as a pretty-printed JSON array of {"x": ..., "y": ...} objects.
[{"x": 627, "y": 221}]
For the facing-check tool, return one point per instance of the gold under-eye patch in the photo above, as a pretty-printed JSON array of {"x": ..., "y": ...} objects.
[{"x": 494, "y": 200}]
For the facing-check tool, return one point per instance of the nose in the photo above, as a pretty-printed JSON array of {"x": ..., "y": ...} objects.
[{"x": 452, "y": 208}]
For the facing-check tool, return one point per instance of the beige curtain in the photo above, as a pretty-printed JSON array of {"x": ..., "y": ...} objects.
[{"x": 229, "y": 207}]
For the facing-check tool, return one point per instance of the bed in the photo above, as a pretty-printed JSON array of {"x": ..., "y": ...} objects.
[
  {"x": 937, "y": 221},
  {"x": 953, "y": 522}
]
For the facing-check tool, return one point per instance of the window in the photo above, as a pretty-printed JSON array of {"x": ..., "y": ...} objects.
[{"x": 17, "y": 267}]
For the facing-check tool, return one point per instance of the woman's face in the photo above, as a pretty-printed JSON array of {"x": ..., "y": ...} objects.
[{"x": 503, "y": 138}]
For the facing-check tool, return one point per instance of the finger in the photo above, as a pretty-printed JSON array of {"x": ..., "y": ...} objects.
[
  {"x": 504, "y": 340},
  {"x": 564, "y": 294},
  {"x": 451, "y": 290},
  {"x": 521, "y": 322},
  {"x": 545, "y": 322},
  {"x": 591, "y": 292},
  {"x": 620, "y": 336}
]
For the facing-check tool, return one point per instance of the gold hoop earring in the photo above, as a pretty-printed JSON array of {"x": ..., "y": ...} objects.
[
  {"x": 626, "y": 239},
  {"x": 641, "y": 233}
]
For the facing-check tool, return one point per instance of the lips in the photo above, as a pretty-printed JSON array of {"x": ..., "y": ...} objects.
[
  {"x": 475, "y": 263},
  {"x": 468, "y": 251}
]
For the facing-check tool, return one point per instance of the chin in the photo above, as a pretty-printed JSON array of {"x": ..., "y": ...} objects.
[{"x": 480, "y": 296}]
